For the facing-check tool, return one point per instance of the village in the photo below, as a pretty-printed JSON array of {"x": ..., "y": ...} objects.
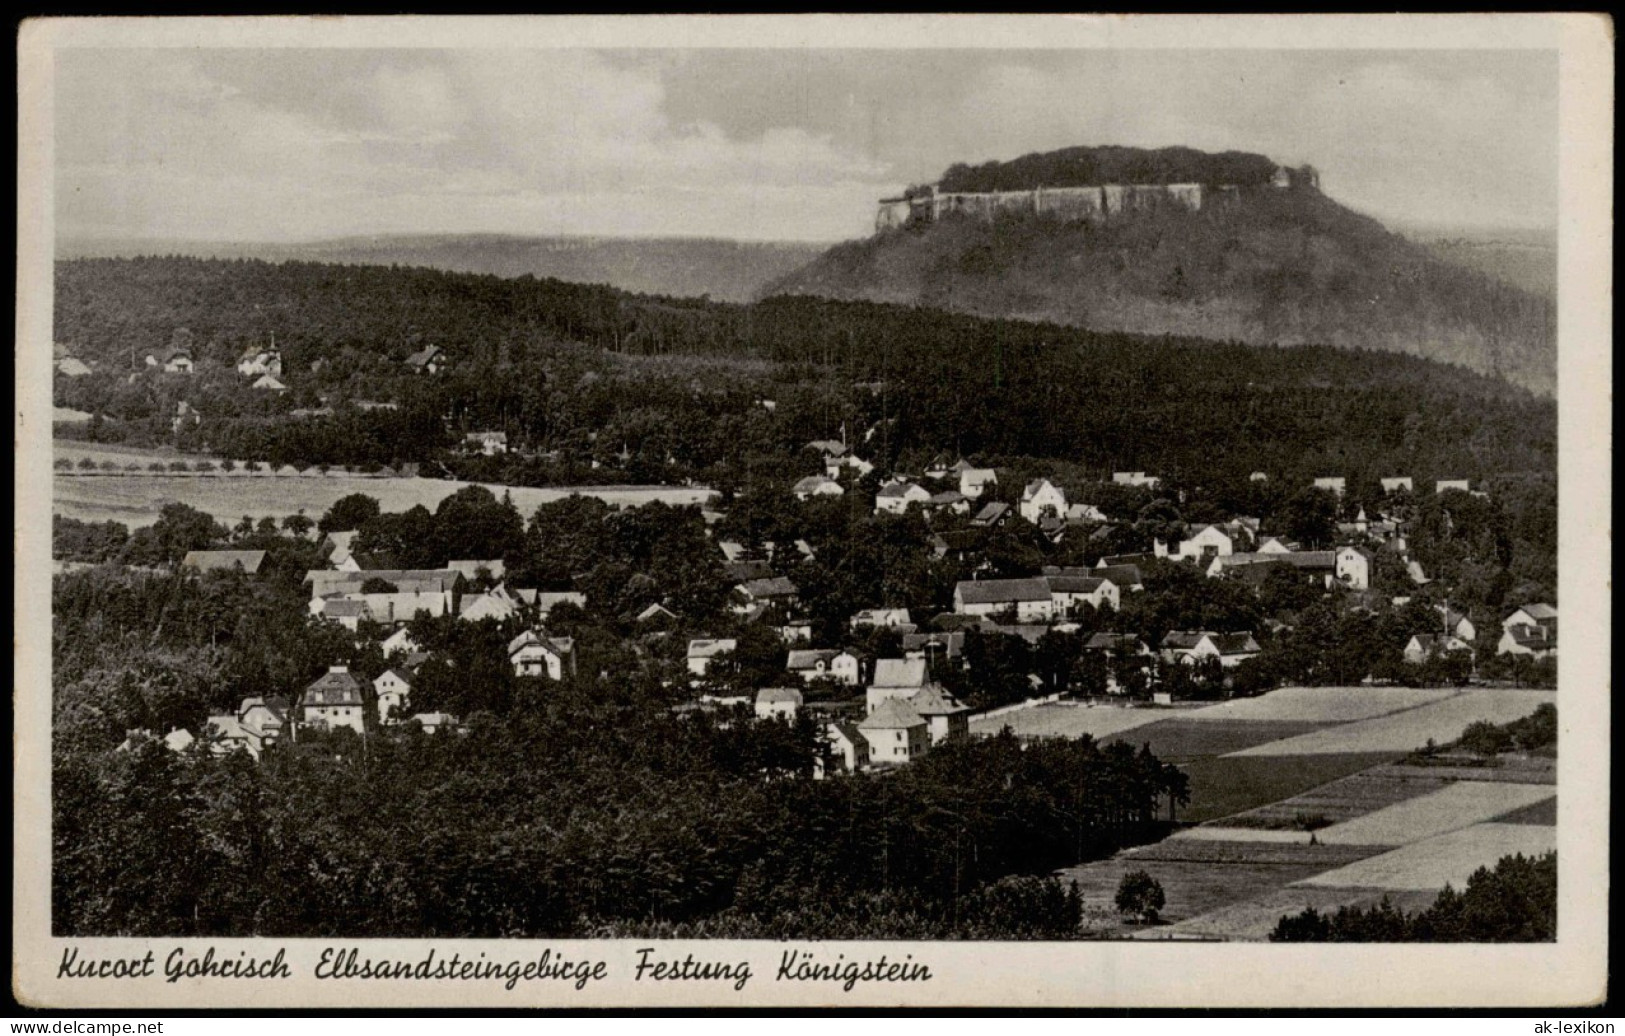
[{"x": 877, "y": 711}]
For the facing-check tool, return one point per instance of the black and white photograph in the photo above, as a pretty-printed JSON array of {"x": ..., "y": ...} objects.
[{"x": 909, "y": 510}]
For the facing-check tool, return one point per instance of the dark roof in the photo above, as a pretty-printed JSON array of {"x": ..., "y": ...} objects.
[
  {"x": 1234, "y": 643},
  {"x": 777, "y": 586},
  {"x": 893, "y": 713},
  {"x": 1120, "y": 576},
  {"x": 335, "y": 687},
  {"x": 212, "y": 560},
  {"x": 1182, "y": 639},
  {"x": 1073, "y": 584},
  {"x": 1113, "y": 642},
  {"x": 745, "y": 571},
  {"x": 991, "y": 513},
  {"x": 1002, "y": 591}
]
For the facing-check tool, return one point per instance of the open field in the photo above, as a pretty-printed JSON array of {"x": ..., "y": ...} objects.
[
  {"x": 75, "y": 451},
  {"x": 136, "y": 500},
  {"x": 1322, "y": 704},
  {"x": 1341, "y": 800},
  {"x": 1451, "y": 808},
  {"x": 1175, "y": 740},
  {"x": 1519, "y": 769},
  {"x": 1222, "y": 785},
  {"x": 1199, "y": 878},
  {"x": 1441, "y": 721},
  {"x": 1543, "y": 812},
  {"x": 1058, "y": 720},
  {"x": 1253, "y": 919},
  {"x": 1446, "y": 859}
]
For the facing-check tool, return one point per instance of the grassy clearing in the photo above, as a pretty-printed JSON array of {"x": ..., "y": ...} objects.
[
  {"x": 1446, "y": 859},
  {"x": 1441, "y": 721},
  {"x": 1542, "y": 813},
  {"x": 1175, "y": 740},
  {"x": 1222, "y": 785},
  {"x": 137, "y": 499},
  {"x": 1341, "y": 800},
  {"x": 1058, "y": 720},
  {"x": 1253, "y": 919},
  {"x": 1203, "y": 878},
  {"x": 1451, "y": 808},
  {"x": 1322, "y": 704}
]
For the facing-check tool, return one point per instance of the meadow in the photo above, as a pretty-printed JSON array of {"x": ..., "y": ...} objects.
[
  {"x": 1068, "y": 720},
  {"x": 135, "y": 499},
  {"x": 1441, "y": 722}
]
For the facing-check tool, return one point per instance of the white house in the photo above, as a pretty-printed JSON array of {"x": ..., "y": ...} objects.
[
  {"x": 1395, "y": 484},
  {"x": 1456, "y": 624},
  {"x": 268, "y": 383},
  {"x": 1207, "y": 543},
  {"x": 1333, "y": 484},
  {"x": 1276, "y": 545},
  {"x": 881, "y": 618},
  {"x": 1452, "y": 483},
  {"x": 487, "y": 443},
  {"x": 1069, "y": 591},
  {"x": 536, "y": 654},
  {"x": 346, "y": 611},
  {"x": 1040, "y": 498},
  {"x": 702, "y": 651},
  {"x": 1029, "y": 599},
  {"x": 896, "y": 498},
  {"x": 400, "y": 641},
  {"x": 256, "y": 362},
  {"x": 847, "y": 668},
  {"x": 72, "y": 367},
  {"x": 816, "y": 485},
  {"x": 1136, "y": 478},
  {"x": 1543, "y": 615},
  {"x": 848, "y": 748},
  {"x": 944, "y": 717},
  {"x": 811, "y": 663},
  {"x": 334, "y": 700},
  {"x": 1085, "y": 513},
  {"x": 392, "y": 688},
  {"x": 1424, "y": 646},
  {"x": 973, "y": 482},
  {"x": 1354, "y": 565},
  {"x": 1231, "y": 649},
  {"x": 1534, "y": 641},
  {"x": 895, "y": 732},
  {"x": 778, "y": 703},
  {"x": 896, "y": 678}
]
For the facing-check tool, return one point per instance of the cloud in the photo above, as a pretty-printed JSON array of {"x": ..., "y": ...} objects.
[{"x": 286, "y": 144}]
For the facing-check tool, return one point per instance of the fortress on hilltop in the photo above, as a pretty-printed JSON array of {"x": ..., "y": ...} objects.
[{"x": 1092, "y": 202}]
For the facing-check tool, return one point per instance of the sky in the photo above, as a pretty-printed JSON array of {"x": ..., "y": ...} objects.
[{"x": 283, "y": 145}]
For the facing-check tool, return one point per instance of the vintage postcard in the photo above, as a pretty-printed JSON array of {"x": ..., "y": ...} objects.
[{"x": 813, "y": 511}]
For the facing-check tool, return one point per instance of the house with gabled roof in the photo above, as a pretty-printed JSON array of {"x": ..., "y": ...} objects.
[
  {"x": 1537, "y": 642},
  {"x": 888, "y": 618},
  {"x": 944, "y": 717},
  {"x": 1120, "y": 644},
  {"x": 993, "y": 513},
  {"x": 431, "y": 359},
  {"x": 895, "y": 732},
  {"x": 1231, "y": 649},
  {"x": 1456, "y": 623},
  {"x": 246, "y": 561},
  {"x": 1425, "y": 646},
  {"x": 392, "y": 688},
  {"x": 773, "y": 590},
  {"x": 1353, "y": 566},
  {"x": 941, "y": 644},
  {"x": 534, "y": 653},
  {"x": 896, "y": 678},
  {"x": 778, "y": 703},
  {"x": 1041, "y": 497},
  {"x": 816, "y": 485},
  {"x": 1337, "y": 485},
  {"x": 334, "y": 700},
  {"x": 848, "y": 748},
  {"x": 1029, "y": 599},
  {"x": 1540, "y": 614},
  {"x": 1397, "y": 483},
  {"x": 1070, "y": 591},
  {"x": 896, "y": 498},
  {"x": 703, "y": 650},
  {"x": 973, "y": 482},
  {"x": 348, "y": 612}
]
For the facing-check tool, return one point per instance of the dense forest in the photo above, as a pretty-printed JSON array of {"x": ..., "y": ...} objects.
[
  {"x": 1515, "y": 902},
  {"x": 1087, "y": 166},
  {"x": 593, "y": 373}
]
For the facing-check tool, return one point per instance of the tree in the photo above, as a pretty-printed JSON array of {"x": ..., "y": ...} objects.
[
  {"x": 1140, "y": 896},
  {"x": 349, "y": 513}
]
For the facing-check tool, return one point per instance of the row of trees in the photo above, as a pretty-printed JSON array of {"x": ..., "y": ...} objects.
[{"x": 1515, "y": 902}]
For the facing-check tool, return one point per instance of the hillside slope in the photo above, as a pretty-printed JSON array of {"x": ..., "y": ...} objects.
[
  {"x": 1280, "y": 267},
  {"x": 730, "y": 271}
]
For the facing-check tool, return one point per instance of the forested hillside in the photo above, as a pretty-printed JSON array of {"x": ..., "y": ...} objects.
[
  {"x": 675, "y": 382},
  {"x": 1264, "y": 266},
  {"x": 732, "y": 271}
]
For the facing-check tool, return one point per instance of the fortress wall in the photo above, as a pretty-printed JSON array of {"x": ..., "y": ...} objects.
[{"x": 1066, "y": 203}]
